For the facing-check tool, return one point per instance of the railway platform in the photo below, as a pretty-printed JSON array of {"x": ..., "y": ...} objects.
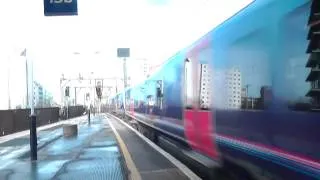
[{"x": 104, "y": 149}]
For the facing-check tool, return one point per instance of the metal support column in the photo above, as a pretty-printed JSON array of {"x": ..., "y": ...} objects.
[
  {"x": 67, "y": 107},
  {"x": 27, "y": 84},
  {"x": 33, "y": 119},
  {"x": 89, "y": 117},
  {"x": 9, "y": 95},
  {"x": 125, "y": 84},
  {"x": 117, "y": 100},
  {"x": 33, "y": 137},
  {"x": 75, "y": 96}
]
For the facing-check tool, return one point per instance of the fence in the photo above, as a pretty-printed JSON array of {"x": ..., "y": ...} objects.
[
  {"x": 16, "y": 120},
  {"x": 73, "y": 111}
]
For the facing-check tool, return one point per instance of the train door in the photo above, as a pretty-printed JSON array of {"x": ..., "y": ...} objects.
[{"x": 199, "y": 129}]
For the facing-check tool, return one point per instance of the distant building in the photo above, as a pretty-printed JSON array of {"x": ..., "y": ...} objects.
[
  {"x": 227, "y": 88},
  {"x": 244, "y": 98},
  {"x": 234, "y": 88},
  {"x": 41, "y": 97},
  {"x": 37, "y": 94},
  {"x": 266, "y": 96},
  {"x": 262, "y": 102},
  {"x": 244, "y": 92},
  {"x": 314, "y": 79},
  {"x": 314, "y": 58}
]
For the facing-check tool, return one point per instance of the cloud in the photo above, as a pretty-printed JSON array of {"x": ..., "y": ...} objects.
[{"x": 159, "y": 2}]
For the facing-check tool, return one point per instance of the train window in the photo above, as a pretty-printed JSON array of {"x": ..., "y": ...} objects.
[
  {"x": 159, "y": 88},
  {"x": 188, "y": 86},
  {"x": 150, "y": 100},
  {"x": 159, "y": 94}
]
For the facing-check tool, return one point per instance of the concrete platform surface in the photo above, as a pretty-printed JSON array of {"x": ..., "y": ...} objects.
[
  {"x": 93, "y": 154},
  {"x": 149, "y": 162}
]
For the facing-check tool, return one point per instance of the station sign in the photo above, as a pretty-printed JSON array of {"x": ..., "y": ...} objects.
[
  {"x": 123, "y": 52},
  {"x": 60, "y": 7}
]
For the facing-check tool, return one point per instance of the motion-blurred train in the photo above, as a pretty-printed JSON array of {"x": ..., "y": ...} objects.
[{"x": 248, "y": 92}]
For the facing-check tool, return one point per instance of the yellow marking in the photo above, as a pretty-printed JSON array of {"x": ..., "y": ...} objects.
[{"x": 133, "y": 171}]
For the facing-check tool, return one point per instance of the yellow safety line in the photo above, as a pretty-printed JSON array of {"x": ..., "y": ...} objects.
[{"x": 134, "y": 173}]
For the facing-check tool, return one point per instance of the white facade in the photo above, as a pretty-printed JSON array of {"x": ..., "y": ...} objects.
[
  {"x": 205, "y": 87},
  {"x": 233, "y": 84},
  {"x": 227, "y": 89}
]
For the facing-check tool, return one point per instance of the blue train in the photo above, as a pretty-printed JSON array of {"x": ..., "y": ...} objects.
[{"x": 248, "y": 92}]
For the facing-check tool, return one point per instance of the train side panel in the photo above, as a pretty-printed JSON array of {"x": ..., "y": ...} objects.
[
  {"x": 265, "y": 120},
  {"x": 165, "y": 112}
]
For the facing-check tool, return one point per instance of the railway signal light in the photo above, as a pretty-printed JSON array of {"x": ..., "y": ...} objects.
[
  {"x": 99, "y": 90},
  {"x": 67, "y": 91},
  {"x": 87, "y": 96}
]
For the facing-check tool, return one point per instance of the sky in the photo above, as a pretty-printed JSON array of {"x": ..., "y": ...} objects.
[{"x": 153, "y": 29}]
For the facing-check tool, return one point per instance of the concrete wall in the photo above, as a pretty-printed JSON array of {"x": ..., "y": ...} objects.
[
  {"x": 12, "y": 121},
  {"x": 73, "y": 111}
]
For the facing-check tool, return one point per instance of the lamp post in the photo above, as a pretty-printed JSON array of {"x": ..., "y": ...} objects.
[
  {"x": 124, "y": 53},
  {"x": 33, "y": 126},
  {"x": 61, "y": 90},
  {"x": 9, "y": 96},
  {"x": 247, "y": 89}
]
